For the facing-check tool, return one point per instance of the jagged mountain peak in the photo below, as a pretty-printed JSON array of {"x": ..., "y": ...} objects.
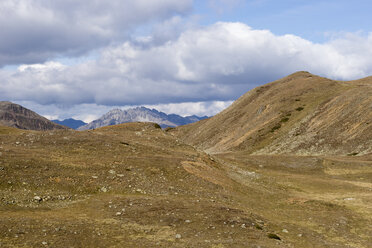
[{"x": 140, "y": 114}]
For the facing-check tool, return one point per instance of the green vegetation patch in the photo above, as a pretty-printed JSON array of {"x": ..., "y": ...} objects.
[
  {"x": 156, "y": 125},
  {"x": 299, "y": 108},
  {"x": 273, "y": 236},
  {"x": 285, "y": 119},
  {"x": 258, "y": 226},
  {"x": 276, "y": 127}
]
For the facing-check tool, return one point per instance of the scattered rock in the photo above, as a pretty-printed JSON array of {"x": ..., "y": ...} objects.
[
  {"x": 103, "y": 189},
  {"x": 44, "y": 243},
  {"x": 349, "y": 199},
  {"x": 188, "y": 221},
  {"x": 285, "y": 230},
  {"x": 94, "y": 177},
  {"x": 178, "y": 236},
  {"x": 61, "y": 197},
  {"x": 38, "y": 198},
  {"x": 118, "y": 213},
  {"x": 112, "y": 172}
]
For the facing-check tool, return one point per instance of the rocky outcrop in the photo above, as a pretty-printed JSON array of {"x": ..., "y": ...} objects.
[{"x": 14, "y": 115}]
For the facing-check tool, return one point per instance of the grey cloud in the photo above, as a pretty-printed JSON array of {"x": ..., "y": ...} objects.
[
  {"x": 218, "y": 62},
  {"x": 34, "y": 31}
]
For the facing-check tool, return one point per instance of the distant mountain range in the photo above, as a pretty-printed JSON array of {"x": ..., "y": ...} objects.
[
  {"x": 71, "y": 123},
  {"x": 14, "y": 115},
  {"x": 141, "y": 114}
]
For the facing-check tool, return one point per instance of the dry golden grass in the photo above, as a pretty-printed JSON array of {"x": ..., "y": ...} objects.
[
  {"x": 135, "y": 185},
  {"x": 301, "y": 114}
]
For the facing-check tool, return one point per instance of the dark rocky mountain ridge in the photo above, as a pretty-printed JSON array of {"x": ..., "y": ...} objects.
[{"x": 14, "y": 115}]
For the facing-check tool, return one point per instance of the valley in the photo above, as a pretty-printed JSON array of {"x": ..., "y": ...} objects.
[
  {"x": 135, "y": 185},
  {"x": 233, "y": 180}
]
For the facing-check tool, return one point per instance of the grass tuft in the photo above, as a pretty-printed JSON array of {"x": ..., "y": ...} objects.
[
  {"x": 285, "y": 119},
  {"x": 276, "y": 127},
  {"x": 299, "y": 108},
  {"x": 273, "y": 236}
]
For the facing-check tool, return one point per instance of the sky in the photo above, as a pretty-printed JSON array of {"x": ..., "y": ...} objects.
[{"x": 82, "y": 58}]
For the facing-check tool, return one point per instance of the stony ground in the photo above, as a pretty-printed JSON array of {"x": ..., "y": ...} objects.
[{"x": 135, "y": 185}]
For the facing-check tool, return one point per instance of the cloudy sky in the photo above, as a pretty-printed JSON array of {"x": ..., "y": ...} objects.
[{"x": 81, "y": 58}]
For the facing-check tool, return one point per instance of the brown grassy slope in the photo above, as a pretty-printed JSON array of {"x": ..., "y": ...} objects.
[
  {"x": 134, "y": 185},
  {"x": 14, "y": 115},
  {"x": 299, "y": 114},
  {"x": 129, "y": 185}
]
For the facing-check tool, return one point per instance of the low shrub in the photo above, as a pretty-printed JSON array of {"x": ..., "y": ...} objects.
[
  {"x": 276, "y": 127},
  {"x": 299, "y": 108},
  {"x": 285, "y": 119},
  {"x": 273, "y": 236}
]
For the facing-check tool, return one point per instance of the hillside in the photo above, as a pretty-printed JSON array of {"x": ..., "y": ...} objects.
[
  {"x": 135, "y": 185},
  {"x": 71, "y": 123},
  {"x": 14, "y": 115},
  {"x": 300, "y": 114},
  {"x": 140, "y": 114}
]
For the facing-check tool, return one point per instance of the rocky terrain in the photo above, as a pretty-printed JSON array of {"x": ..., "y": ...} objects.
[
  {"x": 140, "y": 114},
  {"x": 137, "y": 185},
  {"x": 14, "y": 115}
]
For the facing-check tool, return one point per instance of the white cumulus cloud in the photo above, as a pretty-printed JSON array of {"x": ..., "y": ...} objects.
[
  {"x": 33, "y": 31},
  {"x": 219, "y": 62}
]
